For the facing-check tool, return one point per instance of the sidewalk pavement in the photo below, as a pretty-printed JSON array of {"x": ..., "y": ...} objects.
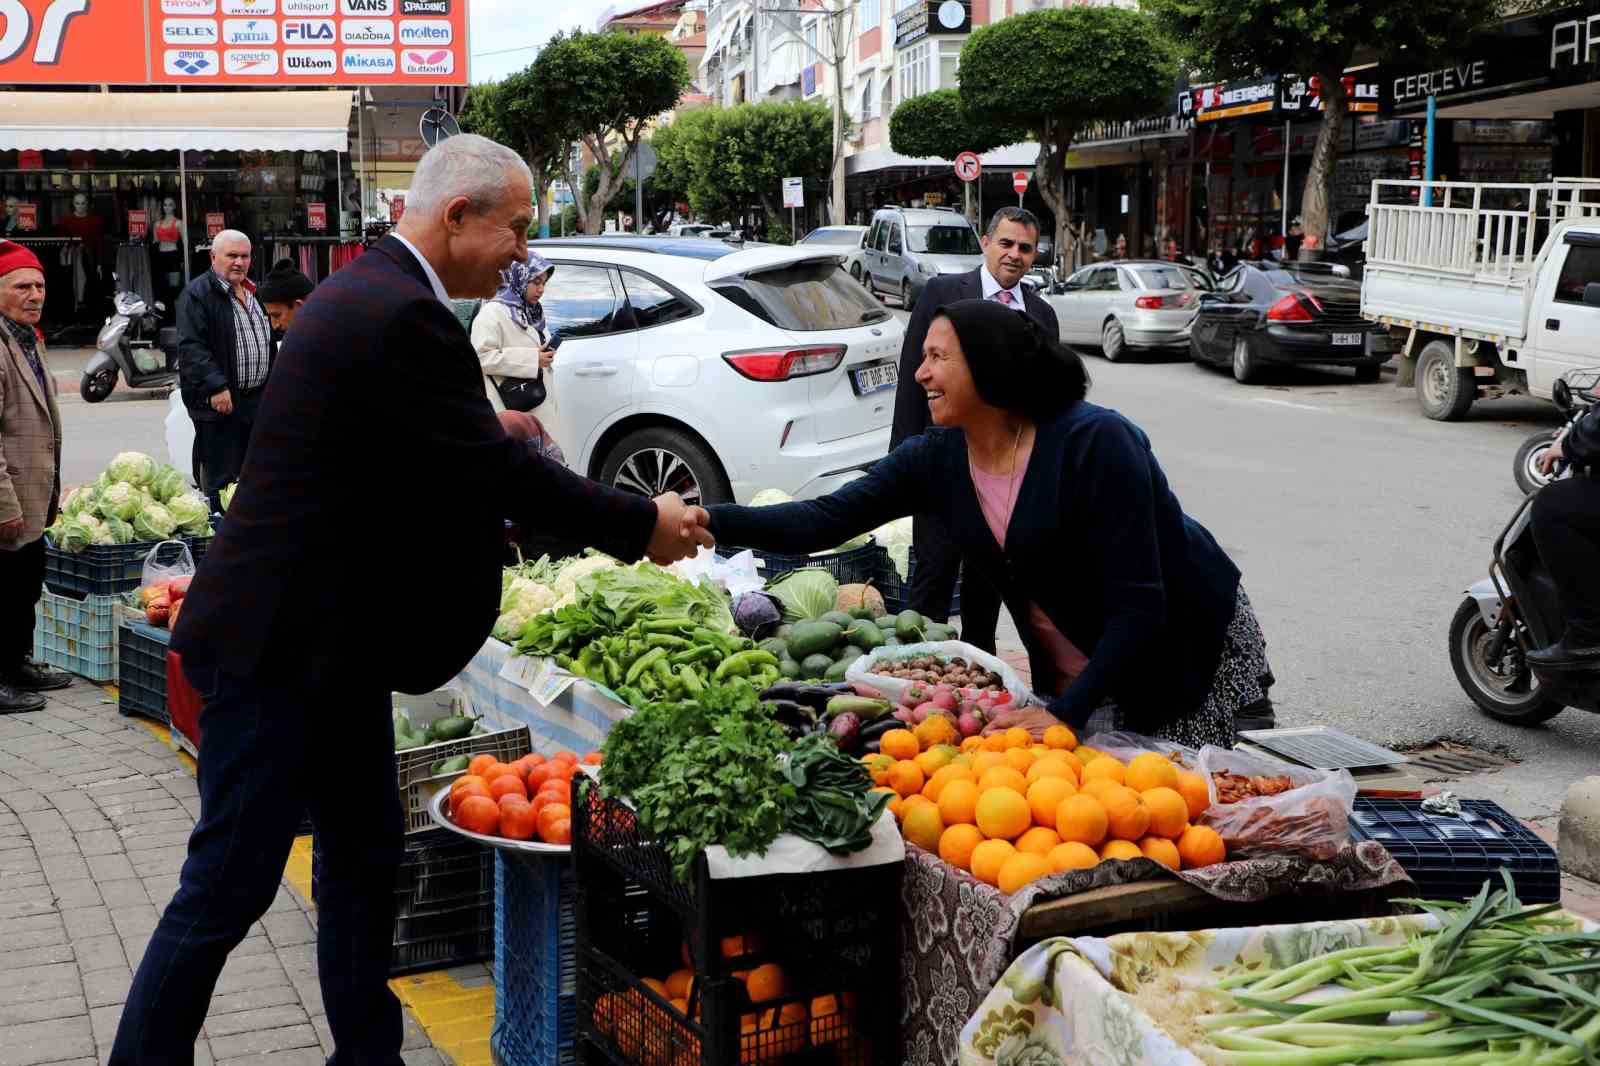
[{"x": 95, "y": 816}]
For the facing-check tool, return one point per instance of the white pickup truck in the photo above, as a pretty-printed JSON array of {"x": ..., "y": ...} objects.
[{"x": 1486, "y": 283}]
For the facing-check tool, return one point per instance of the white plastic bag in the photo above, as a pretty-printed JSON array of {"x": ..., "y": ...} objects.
[
  {"x": 1125, "y": 746},
  {"x": 168, "y": 560},
  {"x": 1311, "y": 819},
  {"x": 893, "y": 688},
  {"x": 736, "y": 573}
]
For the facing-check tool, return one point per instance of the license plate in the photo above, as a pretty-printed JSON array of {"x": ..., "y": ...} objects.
[
  {"x": 874, "y": 377},
  {"x": 1341, "y": 340}
]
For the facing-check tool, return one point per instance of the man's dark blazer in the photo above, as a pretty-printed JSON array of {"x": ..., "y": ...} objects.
[
  {"x": 910, "y": 403},
  {"x": 368, "y": 526}
]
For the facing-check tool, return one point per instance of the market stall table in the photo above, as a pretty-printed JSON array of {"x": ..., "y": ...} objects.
[{"x": 564, "y": 713}]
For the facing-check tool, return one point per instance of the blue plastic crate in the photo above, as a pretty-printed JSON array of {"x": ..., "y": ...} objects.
[
  {"x": 104, "y": 569},
  {"x": 849, "y": 567},
  {"x": 77, "y": 634},
  {"x": 897, "y": 591},
  {"x": 1450, "y": 858},
  {"x": 535, "y": 961},
  {"x": 142, "y": 671}
]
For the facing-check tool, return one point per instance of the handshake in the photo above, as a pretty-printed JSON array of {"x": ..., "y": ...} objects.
[{"x": 681, "y": 530}]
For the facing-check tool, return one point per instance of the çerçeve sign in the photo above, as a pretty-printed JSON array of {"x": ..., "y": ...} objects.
[{"x": 233, "y": 42}]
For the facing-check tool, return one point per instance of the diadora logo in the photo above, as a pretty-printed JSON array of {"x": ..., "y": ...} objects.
[
  {"x": 190, "y": 62},
  {"x": 259, "y": 62},
  {"x": 427, "y": 32},
  {"x": 424, "y": 7},
  {"x": 368, "y": 61},
  {"x": 368, "y": 7},
  {"x": 310, "y": 61},
  {"x": 308, "y": 31},
  {"x": 188, "y": 7},
  {"x": 249, "y": 31},
  {"x": 364, "y": 32},
  {"x": 189, "y": 31},
  {"x": 249, "y": 7},
  {"x": 310, "y": 7},
  {"x": 438, "y": 61}
]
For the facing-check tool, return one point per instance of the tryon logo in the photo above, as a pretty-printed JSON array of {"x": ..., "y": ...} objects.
[
  {"x": 259, "y": 62},
  {"x": 310, "y": 7},
  {"x": 427, "y": 31},
  {"x": 249, "y": 7},
  {"x": 249, "y": 31},
  {"x": 424, "y": 7},
  {"x": 440, "y": 61},
  {"x": 310, "y": 61},
  {"x": 190, "y": 62},
  {"x": 366, "y": 32},
  {"x": 368, "y": 7},
  {"x": 189, "y": 31},
  {"x": 188, "y": 7},
  {"x": 308, "y": 31},
  {"x": 368, "y": 61}
]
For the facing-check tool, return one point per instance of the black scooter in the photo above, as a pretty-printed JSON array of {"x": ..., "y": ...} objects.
[
  {"x": 1515, "y": 610},
  {"x": 134, "y": 344}
]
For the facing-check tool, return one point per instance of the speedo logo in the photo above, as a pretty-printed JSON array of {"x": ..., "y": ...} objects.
[{"x": 259, "y": 62}]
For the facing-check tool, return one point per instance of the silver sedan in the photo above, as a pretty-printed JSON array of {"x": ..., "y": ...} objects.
[{"x": 1127, "y": 306}]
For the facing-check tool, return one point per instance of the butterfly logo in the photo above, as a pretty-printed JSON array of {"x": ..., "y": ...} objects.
[{"x": 429, "y": 59}]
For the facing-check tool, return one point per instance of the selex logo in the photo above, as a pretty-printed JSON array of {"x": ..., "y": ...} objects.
[
  {"x": 310, "y": 61},
  {"x": 377, "y": 61},
  {"x": 189, "y": 31},
  {"x": 423, "y": 32},
  {"x": 260, "y": 62}
]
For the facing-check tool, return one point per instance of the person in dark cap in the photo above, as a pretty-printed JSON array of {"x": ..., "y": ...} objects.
[
  {"x": 282, "y": 293},
  {"x": 1130, "y": 611}
]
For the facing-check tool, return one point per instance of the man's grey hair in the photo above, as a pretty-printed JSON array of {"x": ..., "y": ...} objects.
[
  {"x": 463, "y": 165},
  {"x": 229, "y": 236},
  {"x": 1020, "y": 215}
]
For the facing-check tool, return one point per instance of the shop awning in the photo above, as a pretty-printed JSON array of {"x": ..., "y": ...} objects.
[{"x": 243, "y": 121}]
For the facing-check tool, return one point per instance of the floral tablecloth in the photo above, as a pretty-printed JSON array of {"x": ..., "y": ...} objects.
[{"x": 959, "y": 935}]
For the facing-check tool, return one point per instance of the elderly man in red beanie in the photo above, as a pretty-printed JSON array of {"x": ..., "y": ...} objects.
[{"x": 30, "y": 476}]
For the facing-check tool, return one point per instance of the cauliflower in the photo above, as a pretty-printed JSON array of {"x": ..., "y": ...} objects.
[
  {"x": 521, "y": 600},
  {"x": 895, "y": 537},
  {"x": 566, "y": 586}
]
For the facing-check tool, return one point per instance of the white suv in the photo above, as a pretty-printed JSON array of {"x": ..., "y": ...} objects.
[{"x": 694, "y": 366}]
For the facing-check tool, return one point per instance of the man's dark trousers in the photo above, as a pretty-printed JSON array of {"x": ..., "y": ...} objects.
[
  {"x": 268, "y": 750},
  {"x": 219, "y": 446},
  {"x": 21, "y": 585},
  {"x": 1566, "y": 526}
]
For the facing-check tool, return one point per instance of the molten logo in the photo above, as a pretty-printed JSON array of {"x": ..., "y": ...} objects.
[{"x": 427, "y": 31}]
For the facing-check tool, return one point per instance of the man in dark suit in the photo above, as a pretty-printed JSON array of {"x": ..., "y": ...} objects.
[
  {"x": 361, "y": 555},
  {"x": 1009, "y": 248}
]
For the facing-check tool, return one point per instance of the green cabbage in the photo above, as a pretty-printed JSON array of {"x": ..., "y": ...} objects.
[
  {"x": 75, "y": 536},
  {"x": 770, "y": 497},
  {"x": 166, "y": 484},
  {"x": 189, "y": 510},
  {"x": 134, "y": 467},
  {"x": 79, "y": 499},
  {"x": 154, "y": 522},
  {"x": 120, "y": 500},
  {"x": 120, "y": 531},
  {"x": 226, "y": 494},
  {"x": 805, "y": 594}
]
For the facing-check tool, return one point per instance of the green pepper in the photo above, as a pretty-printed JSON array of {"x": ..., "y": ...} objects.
[
  {"x": 666, "y": 640},
  {"x": 613, "y": 672},
  {"x": 668, "y": 625},
  {"x": 691, "y": 681},
  {"x": 453, "y": 728},
  {"x": 697, "y": 654},
  {"x": 712, "y": 637},
  {"x": 453, "y": 765},
  {"x": 407, "y": 742},
  {"x": 744, "y": 662},
  {"x": 644, "y": 663}
]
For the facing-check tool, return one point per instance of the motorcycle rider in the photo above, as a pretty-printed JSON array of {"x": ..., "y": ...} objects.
[{"x": 1566, "y": 527}]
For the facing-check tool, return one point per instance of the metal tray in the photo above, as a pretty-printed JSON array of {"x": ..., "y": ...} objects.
[
  {"x": 1322, "y": 748},
  {"x": 533, "y": 847}
]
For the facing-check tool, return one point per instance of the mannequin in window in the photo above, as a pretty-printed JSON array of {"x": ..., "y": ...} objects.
[
  {"x": 166, "y": 259},
  {"x": 13, "y": 224},
  {"x": 90, "y": 229}
]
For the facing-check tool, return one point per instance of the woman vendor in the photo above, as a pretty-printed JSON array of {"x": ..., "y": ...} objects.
[{"x": 1121, "y": 599}]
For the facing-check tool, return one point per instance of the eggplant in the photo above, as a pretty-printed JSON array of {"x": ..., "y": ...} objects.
[
  {"x": 871, "y": 731},
  {"x": 846, "y": 731},
  {"x": 792, "y": 715}
]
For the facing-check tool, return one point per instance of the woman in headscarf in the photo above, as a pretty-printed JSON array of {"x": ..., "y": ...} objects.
[
  {"x": 1126, "y": 605},
  {"x": 510, "y": 334}
]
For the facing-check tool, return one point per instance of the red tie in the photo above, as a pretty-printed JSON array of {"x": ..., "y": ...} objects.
[{"x": 1004, "y": 296}]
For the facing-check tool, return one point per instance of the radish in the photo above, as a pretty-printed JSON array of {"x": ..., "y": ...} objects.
[
  {"x": 969, "y": 726},
  {"x": 903, "y": 714},
  {"x": 923, "y": 710},
  {"x": 945, "y": 697}
]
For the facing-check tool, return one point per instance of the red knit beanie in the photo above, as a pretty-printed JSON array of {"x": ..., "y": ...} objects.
[{"x": 14, "y": 256}]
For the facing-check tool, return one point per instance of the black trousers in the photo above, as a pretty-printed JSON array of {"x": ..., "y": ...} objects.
[
  {"x": 1566, "y": 526},
  {"x": 21, "y": 585},
  {"x": 219, "y": 446},
  {"x": 933, "y": 583}
]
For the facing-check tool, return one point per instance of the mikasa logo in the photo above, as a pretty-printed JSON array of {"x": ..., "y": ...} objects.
[{"x": 368, "y": 61}]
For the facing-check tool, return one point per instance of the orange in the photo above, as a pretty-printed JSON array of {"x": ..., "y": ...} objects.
[
  {"x": 1060, "y": 736},
  {"x": 467, "y": 780},
  {"x": 479, "y": 814},
  {"x": 911, "y": 803},
  {"x": 1096, "y": 786},
  {"x": 1169, "y": 814},
  {"x": 593, "y": 758},
  {"x": 497, "y": 769},
  {"x": 1038, "y": 840},
  {"x": 1081, "y": 818},
  {"x": 906, "y": 778},
  {"x": 1201, "y": 846},
  {"x": 1072, "y": 856},
  {"x": 1018, "y": 737},
  {"x": 766, "y": 982},
  {"x": 732, "y": 947},
  {"x": 986, "y": 761},
  {"x": 1161, "y": 850},
  {"x": 1039, "y": 750},
  {"x": 922, "y": 826},
  {"x": 878, "y": 766},
  {"x": 988, "y": 857},
  {"x": 680, "y": 1005},
  {"x": 1087, "y": 754},
  {"x": 1045, "y": 796},
  {"x": 655, "y": 986},
  {"x": 1192, "y": 787},
  {"x": 1105, "y": 767},
  {"x": 1020, "y": 869},
  {"x": 899, "y": 744},
  {"x": 1049, "y": 766},
  {"x": 1002, "y": 777},
  {"x": 827, "y": 1023},
  {"x": 943, "y": 777},
  {"x": 1003, "y": 813},
  {"x": 897, "y": 806},
  {"x": 1071, "y": 758},
  {"x": 935, "y": 729},
  {"x": 1020, "y": 759},
  {"x": 680, "y": 983},
  {"x": 559, "y": 831},
  {"x": 931, "y": 762},
  {"x": 890, "y": 791},
  {"x": 1127, "y": 818},
  {"x": 1120, "y": 849},
  {"x": 972, "y": 744},
  {"x": 956, "y": 844},
  {"x": 507, "y": 785},
  {"x": 958, "y": 802},
  {"x": 1149, "y": 771},
  {"x": 994, "y": 742},
  {"x": 789, "y": 1031},
  {"x": 480, "y": 763},
  {"x": 459, "y": 796}
]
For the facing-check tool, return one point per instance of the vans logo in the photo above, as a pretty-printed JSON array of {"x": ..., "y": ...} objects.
[
  {"x": 188, "y": 7},
  {"x": 189, "y": 31},
  {"x": 441, "y": 61},
  {"x": 305, "y": 61},
  {"x": 249, "y": 31},
  {"x": 367, "y": 32},
  {"x": 190, "y": 62},
  {"x": 249, "y": 7},
  {"x": 427, "y": 31},
  {"x": 310, "y": 7},
  {"x": 424, "y": 7},
  {"x": 261, "y": 62},
  {"x": 308, "y": 31},
  {"x": 368, "y": 7},
  {"x": 368, "y": 61}
]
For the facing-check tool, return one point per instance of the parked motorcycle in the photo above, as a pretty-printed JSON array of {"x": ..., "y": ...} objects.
[
  {"x": 135, "y": 345},
  {"x": 1574, "y": 394}
]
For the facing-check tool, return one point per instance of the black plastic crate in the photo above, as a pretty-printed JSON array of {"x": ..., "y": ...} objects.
[
  {"x": 106, "y": 569},
  {"x": 1450, "y": 858},
  {"x": 897, "y": 592},
  {"x": 142, "y": 671},
  {"x": 849, "y": 567}
]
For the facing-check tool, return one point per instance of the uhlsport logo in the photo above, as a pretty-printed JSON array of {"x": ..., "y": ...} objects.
[
  {"x": 188, "y": 7},
  {"x": 191, "y": 62},
  {"x": 249, "y": 31},
  {"x": 189, "y": 31},
  {"x": 368, "y": 61},
  {"x": 438, "y": 61},
  {"x": 364, "y": 32},
  {"x": 258, "y": 62},
  {"x": 249, "y": 7},
  {"x": 425, "y": 32},
  {"x": 424, "y": 7},
  {"x": 310, "y": 61},
  {"x": 310, "y": 7},
  {"x": 367, "y": 7},
  {"x": 309, "y": 31}
]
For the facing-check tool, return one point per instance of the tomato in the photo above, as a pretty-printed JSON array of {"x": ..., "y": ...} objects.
[
  {"x": 549, "y": 816},
  {"x": 518, "y": 821}
]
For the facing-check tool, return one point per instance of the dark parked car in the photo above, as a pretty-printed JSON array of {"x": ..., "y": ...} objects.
[
  {"x": 1349, "y": 250},
  {"x": 1287, "y": 314}
]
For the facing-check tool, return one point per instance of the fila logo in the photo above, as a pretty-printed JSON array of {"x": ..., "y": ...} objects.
[
  {"x": 249, "y": 31},
  {"x": 188, "y": 7},
  {"x": 368, "y": 61},
  {"x": 439, "y": 61},
  {"x": 308, "y": 31},
  {"x": 249, "y": 7},
  {"x": 310, "y": 7},
  {"x": 427, "y": 32},
  {"x": 367, "y": 32},
  {"x": 424, "y": 7},
  {"x": 368, "y": 7},
  {"x": 190, "y": 62},
  {"x": 310, "y": 61},
  {"x": 261, "y": 62},
  {"x": 189, "y": 31}
]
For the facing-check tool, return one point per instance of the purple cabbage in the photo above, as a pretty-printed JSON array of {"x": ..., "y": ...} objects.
[{"x": 757, "y": 615}]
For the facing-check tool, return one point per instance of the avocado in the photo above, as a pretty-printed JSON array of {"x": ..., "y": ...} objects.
[
  {"x": 777, "y": 646},
  {"x": 848, "y": 654},
  {"x": 865, "y": 613},
  {"x": 910, "y": 627},
  {"x": 815, "y": 666},
  {"x": 865, "y": 635},
  {"x": 838, "y": 618},
  {"x": 835, "y": 672},
  {"x": 788, "y": 669},
  {"x": 812, "y": 638}
]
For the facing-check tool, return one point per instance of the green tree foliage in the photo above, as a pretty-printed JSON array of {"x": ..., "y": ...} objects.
[
  {"x": 934, "y": 125},
  {"x": 1054, "y": 72},
  {"x": 1237, "y": 38},
  {"x": 724, "y": 159},
  {"x": 509, "y": 111}
]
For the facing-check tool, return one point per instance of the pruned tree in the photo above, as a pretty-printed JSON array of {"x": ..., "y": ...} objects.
[
  {"x": 934, "y": 125},
  {"x": 510, "y": 112}
]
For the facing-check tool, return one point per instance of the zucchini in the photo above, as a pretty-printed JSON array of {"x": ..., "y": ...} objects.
[
  {"x": 814, "y": 638},
  {"x": 815, "y": 666}
]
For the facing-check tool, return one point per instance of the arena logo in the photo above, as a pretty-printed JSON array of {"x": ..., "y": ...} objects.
[
  {"x": 440, "y": 61},
  {"x": 249, "y": 31},
  {"x": 368, "y": 7},
  {"x": 309, "y": 31},
  {"x": 190, "y": 62},
  {"x": 188, "y": 7},
  {"x": 189, "y": 31},
  {"x": 427, "y": 31},
  {"x": 249, "y": 7},
  {"x": 310, "y": 61},
  {"x": 424, "y": 7},
  {"x": 310, "y": 7},
  {"x": 367, "y": 32},
  {"x": 368, "y": 61},
  {"x": 261, "y": 62}
]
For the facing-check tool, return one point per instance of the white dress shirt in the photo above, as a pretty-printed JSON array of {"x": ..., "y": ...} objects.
[
  {"x": 991, "y": 287},
  {"x": 427, "y": 268}
]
